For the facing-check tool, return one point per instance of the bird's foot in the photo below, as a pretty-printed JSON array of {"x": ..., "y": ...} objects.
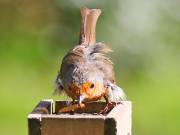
[
  {"x": 108, "y": 108},
  {"x": 72, "y": 102}
]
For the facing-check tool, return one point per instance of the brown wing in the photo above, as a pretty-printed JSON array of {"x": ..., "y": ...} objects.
[
  {"x": 72, "y": 59},
  {"x": 97, "y": 54}
]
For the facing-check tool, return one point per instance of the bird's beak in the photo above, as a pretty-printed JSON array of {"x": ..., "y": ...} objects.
[{"x": 81, "y": 98}]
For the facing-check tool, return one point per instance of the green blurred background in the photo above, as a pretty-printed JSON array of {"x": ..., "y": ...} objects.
[{"x": 36, "y": 34}]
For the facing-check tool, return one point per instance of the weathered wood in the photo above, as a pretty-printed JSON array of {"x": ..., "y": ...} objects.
[
  {"x": 34, "y": 125},
  {"x": 116, "y": 122},
  {"x": 121, "y": 114},
  {"x": 72, "y": 125},
  {"x": 92, "y": 107},
  {"x": 34, "y": 118},
  {"x": 44, "y": 107}
]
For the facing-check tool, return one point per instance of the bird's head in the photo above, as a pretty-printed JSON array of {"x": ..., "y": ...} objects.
[{"x": 90, "y": 89}]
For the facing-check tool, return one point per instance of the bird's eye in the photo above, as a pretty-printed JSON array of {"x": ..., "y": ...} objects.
[{"x": 92, "y": 86}]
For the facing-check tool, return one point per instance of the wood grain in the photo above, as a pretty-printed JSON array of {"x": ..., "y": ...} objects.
[{"x": 116, "y": 122}]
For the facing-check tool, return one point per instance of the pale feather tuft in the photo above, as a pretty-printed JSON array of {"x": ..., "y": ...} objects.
[
  {"x": 99, "y": 48},
  {"x": 115, "y": 93}
]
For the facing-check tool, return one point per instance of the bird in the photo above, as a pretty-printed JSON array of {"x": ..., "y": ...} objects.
[{"x": 86, "y": 73}]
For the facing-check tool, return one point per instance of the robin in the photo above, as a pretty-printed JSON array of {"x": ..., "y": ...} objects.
[{"x": 86, "y": 73}]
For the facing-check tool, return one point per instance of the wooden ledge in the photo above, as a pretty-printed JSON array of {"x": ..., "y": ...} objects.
[{"x": 43, "y": 121}]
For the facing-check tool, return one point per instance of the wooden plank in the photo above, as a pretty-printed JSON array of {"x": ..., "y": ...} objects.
[
  {"x": 34, "y": 126},
  {"x": 122, "y": 117},
  {"x": 42, "y": 121},
  {"x": 110, "y": 126},
  {"x": 44, "y": 107},
  {"x": 34, "y": 118},
  {"x": 73, "y": 125}
]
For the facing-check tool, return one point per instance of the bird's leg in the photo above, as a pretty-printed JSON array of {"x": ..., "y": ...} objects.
[
  {"x": 107, "y": 101},
  {"x": 73, "y": 102},
  {"x": 80, "y": 105},
  {"x": 109, "y": 106}
]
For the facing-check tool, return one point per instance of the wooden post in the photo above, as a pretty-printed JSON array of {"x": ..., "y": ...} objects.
[
  {"x": 42, "y": 121},
  {"x": 34, "y": 118}
]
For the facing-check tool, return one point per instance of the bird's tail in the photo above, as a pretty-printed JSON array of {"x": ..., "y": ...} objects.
[
  {"x": 88, "y": 26},
  {"x": 115, "y": 93}
]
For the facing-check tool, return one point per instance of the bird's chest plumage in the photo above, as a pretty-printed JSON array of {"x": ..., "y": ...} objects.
[{"x": 81, "y": 73}]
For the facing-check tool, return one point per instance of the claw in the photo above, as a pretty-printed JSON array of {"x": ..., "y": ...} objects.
[{"x": 108, "y": 108}]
